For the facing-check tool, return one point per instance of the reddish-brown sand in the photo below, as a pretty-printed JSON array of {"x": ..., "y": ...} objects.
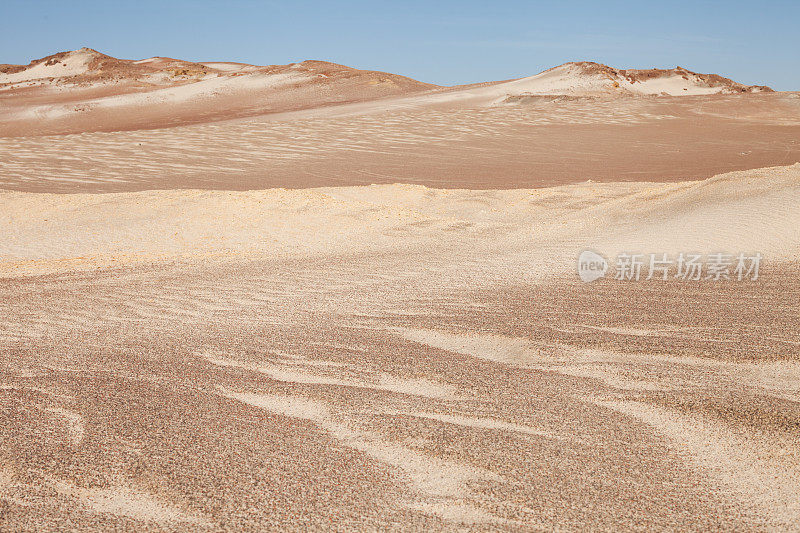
[{"x": 212, "y": 320}]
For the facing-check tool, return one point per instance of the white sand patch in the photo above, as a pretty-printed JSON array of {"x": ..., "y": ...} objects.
[
  {"x": 522, "y": 353},
  {"x": 455, "y": 512},
  {"x": 383, "y": 382},
  {"x": 749, "y": 211},
  {"x": 126, "y": 501},
  {"x": 305, "y": 378},
  {"x": 291, "y": 406},
  {"x": 779, "y": 378},
  {"x": 72, "y": 64},
  {"x": 228, "y": 67},
  {"x": 415, "y": 387},
  {"x": 673, "y": 86},
  {"x": 487, "y": 346},
  {"x": 573, "y": 80},
  {"x": 522, "y": 234},
  {"x": 558, "y": 81},
  {"x": 430, "y": 476},
  {"x": 566, "y": 79},
  {"x": 626, "y": 371},
  {"x": 202, "y": 89},
  {"x": 207, "y": 87},
  {"x": 759, "y": 471},
  {"x": 479, "y": 423},
  {"x": 633, "y": 371},
  {"x": 293, "y": 359},
  {"x": 633, "y": 332}
]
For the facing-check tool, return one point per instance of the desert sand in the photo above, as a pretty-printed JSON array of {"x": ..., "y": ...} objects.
[{"x": 312, "y": 297}]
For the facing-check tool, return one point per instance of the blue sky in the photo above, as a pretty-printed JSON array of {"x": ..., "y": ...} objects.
[{"x": 442, "y": 42}]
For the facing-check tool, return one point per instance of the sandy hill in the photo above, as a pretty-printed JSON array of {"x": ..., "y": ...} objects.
[
  {"x": 85, "y": 90},
  {"x": 85, "y": 66},
  {"x": 589, "y": 79}
]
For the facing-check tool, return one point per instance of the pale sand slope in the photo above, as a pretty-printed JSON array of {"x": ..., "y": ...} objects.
[
  {"x": 589, "y": 79},
  {"x": 528, "y": 233}
]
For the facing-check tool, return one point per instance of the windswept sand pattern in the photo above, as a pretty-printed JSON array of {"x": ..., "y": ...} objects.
[
  {"x": 420, "y": 143},
  {"x": 244, "y": 147},
  {"x": 307, "y": 298},
  {"x": 420, "y": 374},
  {"x": 444, "y": 482},
  {"x": 361, "y": 390},
  {"x": 753, "y": 467}
]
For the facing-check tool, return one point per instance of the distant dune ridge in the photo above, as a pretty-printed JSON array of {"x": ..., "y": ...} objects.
[
  {"x": 86, "y": 66},
  {"x": 587, "y": 78},
  {"x": 85, "y": 90}
]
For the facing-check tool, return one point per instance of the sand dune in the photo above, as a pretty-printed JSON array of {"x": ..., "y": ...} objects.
[
  {"x": 85, "y": 90},
  {"x": 754, "y": 211},
  {"x": 243, "y": 127},
  {"x": 593, "y": 79},
  {"x": 305, "y": 296},
  {"x": 417, "y": 140}
]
